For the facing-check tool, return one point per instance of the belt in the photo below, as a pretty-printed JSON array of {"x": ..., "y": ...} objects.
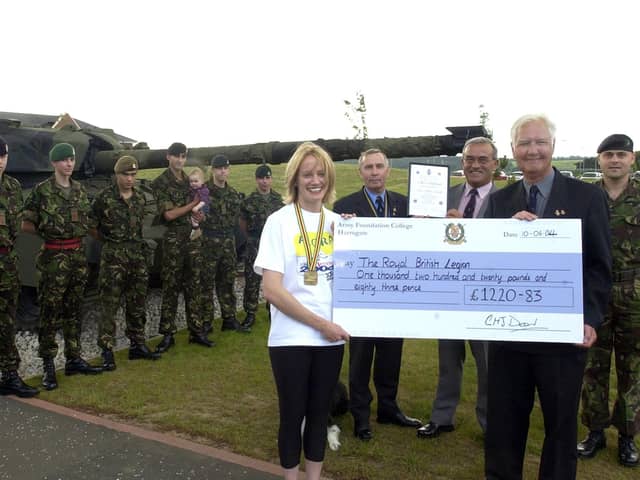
[
  {"x": 68, "y": 244},
  {"x": 5, "y": 250},
  {"x": 626, "y": 275}
]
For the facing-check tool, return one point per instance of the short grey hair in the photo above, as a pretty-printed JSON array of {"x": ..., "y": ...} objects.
[
  {"x": 532, "y": 117},
  {"x": 482, "y": 141},
  {"x": 371, "y": 151}
]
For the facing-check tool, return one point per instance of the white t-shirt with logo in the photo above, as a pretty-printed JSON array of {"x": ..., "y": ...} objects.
[{"x": 282, "y": 250}]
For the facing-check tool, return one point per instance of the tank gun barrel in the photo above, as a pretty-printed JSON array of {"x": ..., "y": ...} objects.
[{"x": 280, "y": 152}]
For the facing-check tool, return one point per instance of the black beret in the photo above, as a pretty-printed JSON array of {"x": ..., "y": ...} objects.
[
  {"x": 263, "y": 171},
  {"x": 219, "y": 161},
  {"x": 3, "y": 147},
  {"x": 177, "y": 148},
  {"x": 617, "y": 141}
]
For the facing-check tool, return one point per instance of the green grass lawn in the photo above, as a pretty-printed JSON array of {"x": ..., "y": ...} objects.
[{"x": 225, "y": 397}]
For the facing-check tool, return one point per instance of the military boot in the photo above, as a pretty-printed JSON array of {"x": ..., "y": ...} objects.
[
  {"x": 627, "y": 451},
  {"x": 108, "y": 361},
  {"x": 249, "y": 320},
  {"x": 80, "y": 365},
  {"x": 165, "y": 344},
  {"x": 49, "y": 380},
  {"x": 232, "y": 324},
  {"x": 201, "y": 339},
  {"x": 594, "y": 441},
  {"x": 140, "y": 351},
  {"x": 12, "y": 384}
]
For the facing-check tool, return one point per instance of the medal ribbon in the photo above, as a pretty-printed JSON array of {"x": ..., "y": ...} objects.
[
  {"x": 373, "y": 207},
  {"x": 312, "y": 262}
]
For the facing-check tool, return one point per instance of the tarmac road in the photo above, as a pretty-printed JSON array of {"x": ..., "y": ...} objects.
[{"x": 42, "y": 441}]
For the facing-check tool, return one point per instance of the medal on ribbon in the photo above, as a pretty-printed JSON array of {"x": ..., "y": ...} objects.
[{"x": 311, "y": 275}]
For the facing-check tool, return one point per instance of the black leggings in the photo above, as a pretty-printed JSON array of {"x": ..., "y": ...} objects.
[{"x": 305, "y": 378}]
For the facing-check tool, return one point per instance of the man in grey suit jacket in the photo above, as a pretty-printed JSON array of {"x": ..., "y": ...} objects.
[{"x": 479, "y": 162}]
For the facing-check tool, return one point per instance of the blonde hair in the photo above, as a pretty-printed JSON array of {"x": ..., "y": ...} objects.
[
  {"x": 198, "y": 172},
  {"x": 293, "y": 167}
]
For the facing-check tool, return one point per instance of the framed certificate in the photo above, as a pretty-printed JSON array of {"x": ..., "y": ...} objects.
[{"x": 428, "y": 189}]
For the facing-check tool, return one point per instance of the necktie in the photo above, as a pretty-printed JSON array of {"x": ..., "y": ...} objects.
[
  {"x": 533, "y": 199},
  {"x": 471, "y": 204},
  {"x": 379, "y": 206}
]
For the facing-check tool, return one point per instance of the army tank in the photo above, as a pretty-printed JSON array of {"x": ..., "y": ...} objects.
[{"x": 31, "y": 136}]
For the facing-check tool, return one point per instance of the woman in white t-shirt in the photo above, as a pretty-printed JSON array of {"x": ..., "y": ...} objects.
[{"x": 295, "y": 259}]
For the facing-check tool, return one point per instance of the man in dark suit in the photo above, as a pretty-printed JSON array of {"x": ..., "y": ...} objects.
[
  {"x": 373, "y": 200},
  {"x": 466, "y": 200},
  {"x": 518, "y": 369}
]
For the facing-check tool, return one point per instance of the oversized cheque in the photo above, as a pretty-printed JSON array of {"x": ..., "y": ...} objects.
[{"x": 482, "y": 279}]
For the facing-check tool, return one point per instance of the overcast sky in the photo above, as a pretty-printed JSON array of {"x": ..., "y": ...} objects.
[{"x": 252, "y": 71}]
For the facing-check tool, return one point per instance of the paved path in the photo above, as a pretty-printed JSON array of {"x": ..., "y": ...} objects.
[{"x": 43, "y": 441}]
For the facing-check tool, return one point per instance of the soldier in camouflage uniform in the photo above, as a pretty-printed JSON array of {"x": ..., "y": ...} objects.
[
  {"x": 10, "y": 208},
  {"x": 219, "y": 247},
  {"x": 117, "y": 215},
  {"x": 58, "y": 211},
  {"x": 620, "y": 331},
  {"x": 253, "y": 214},
  {"x": 181, "y": 256}
]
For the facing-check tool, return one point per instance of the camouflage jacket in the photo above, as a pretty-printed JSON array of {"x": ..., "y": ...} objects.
[
  {"x": 256, "y": 208},
  {"x": 223, "y": 210},
  {"x": 55, "y": 216},
  {"x": 171, "y": 193},
  {"x": 116, "y": 219},
  {"x": 10, "y": 209},
  {"x": 624, "y": 220}
]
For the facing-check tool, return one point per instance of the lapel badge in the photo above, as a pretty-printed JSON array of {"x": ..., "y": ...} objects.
[{"x": 560, "y": 213}]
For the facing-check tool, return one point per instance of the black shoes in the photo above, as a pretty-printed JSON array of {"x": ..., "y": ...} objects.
[
  {"x": 595, "y": 441},
  {"x": 166, "y": 343},
  {"x": 108, "y": 362},
  {"x": 140, "y": 351},
  {"x": 363, "y": 433},
  {"x": 627, "y": 451},
  {"x": 49, "y": 380},
  {"x": 399, "y": 418},
  {"x": 79, "y": 365},
  {"x": 432, "y": 430},
  {"x": 232, "y": 324},
  {"x": 249, "y": 320},
  {"x": 200, "y": 339},
  {"x": 12, "y": 384}
]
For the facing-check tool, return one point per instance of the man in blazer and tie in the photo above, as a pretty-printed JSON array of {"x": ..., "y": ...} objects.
[
  {"x": 374, "y": 200},
  {"x": 518, "y": 369},
  {"x": 466, "y": 200}
]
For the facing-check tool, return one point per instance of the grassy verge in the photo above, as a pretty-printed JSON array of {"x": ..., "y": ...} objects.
[{"x": 225, "y": 397}]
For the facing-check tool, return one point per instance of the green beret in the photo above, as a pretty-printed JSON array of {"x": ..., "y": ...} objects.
[
  {"x": 263, "y": 171},
  {"x": 125, "y": 164},
  {"x": 617, "y": 141},
  {"x": 61, "y": 151},
  {"x": 220, "y": 161}
]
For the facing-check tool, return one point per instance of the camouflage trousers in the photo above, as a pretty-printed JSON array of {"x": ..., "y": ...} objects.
[
  {"x": 251, "y": 279},
  {"x": 219, "y": 269},
  {"x": 620, "y": 334},
  {"x": 9, "y": 290},
  {"x": 181, "y": 259},
  {"x": 63, "y": 277},
  {"x": 123, "y": 273}
]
